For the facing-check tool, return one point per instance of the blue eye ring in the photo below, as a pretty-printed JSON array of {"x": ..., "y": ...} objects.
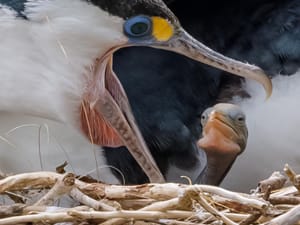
[{"x": 138, "y": 26}]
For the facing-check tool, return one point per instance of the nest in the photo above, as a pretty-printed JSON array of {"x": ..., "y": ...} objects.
[{"x": 275, "y": 201}]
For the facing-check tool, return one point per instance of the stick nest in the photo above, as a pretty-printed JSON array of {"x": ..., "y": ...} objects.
[{"x": 33, "y": 196}]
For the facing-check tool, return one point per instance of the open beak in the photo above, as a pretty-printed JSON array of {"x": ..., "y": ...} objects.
[
  {"x": 112, "y": 106},
  {"x": 185, "y": 44},
  {"x": 108, "y": 119}
]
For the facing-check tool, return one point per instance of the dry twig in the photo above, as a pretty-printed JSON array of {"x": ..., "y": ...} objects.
[
  {"x": 292, "y": 176},
  {"x": 274, "y": 182},
  {"x": 63, "y": 185},
  {"x": 168, "y": 203}
]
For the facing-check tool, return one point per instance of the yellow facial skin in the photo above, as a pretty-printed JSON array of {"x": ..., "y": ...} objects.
[{"x": 162, "y": 30}]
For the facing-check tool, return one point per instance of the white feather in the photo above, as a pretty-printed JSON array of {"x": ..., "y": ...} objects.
[
  {"x": 274, "y": 137},
  {"x": 32, "y": 147},
  {"x": 45, "y": 60},
  {"x": 44, "y": 68}
]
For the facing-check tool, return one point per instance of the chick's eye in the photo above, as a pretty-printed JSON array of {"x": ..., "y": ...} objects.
[
  {"x": 241, "y": 118},
  {"x": 138, "y": 26},
  {"x": 203, "y": 118}
]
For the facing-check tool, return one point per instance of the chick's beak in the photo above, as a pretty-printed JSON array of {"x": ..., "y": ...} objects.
[
  {"x": 183, "y": 43},
  {"x": 219, "y": 136}
]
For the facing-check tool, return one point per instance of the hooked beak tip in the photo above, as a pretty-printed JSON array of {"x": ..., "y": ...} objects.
[{"x": 265, "y": 81}]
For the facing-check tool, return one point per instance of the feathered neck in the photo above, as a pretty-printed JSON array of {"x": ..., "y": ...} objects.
[{"x": 45, "y": 60}]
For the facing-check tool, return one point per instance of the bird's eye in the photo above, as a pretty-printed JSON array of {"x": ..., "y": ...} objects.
[
  {"x": 204, "y": 117},
  {"x": 240, "y": 118},
  {"x": 138, "y": 26}
]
